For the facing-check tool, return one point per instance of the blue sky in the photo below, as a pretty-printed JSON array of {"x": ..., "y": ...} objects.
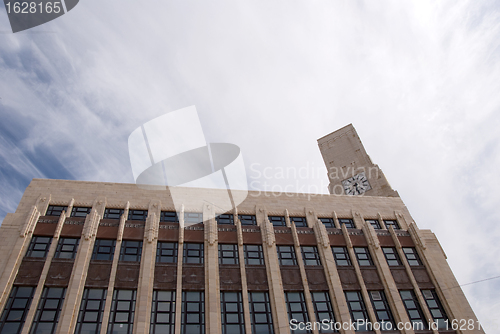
[{"x": 418, "y": 79}]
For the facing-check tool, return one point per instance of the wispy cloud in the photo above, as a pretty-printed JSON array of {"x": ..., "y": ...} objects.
[{"x": 419, "y": 80}]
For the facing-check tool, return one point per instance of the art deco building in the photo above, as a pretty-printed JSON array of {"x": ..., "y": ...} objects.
[{"x": 91, "y": 257}]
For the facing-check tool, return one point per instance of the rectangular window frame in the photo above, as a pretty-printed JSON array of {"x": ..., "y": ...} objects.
[
  {"x": 166, "y": 252},
  {"x": 247, "y": 220},
  {"x": 104, "y": 249},
  {"x": 169, "y": 217},
  {"x": 137, "y": 215},
  {"x": 80, "y": 211},
  {"x": 254, "y": 255},
  {"x": 50, "y": 305},
  {"x": 228, "y": 254},
  {"x": 436, "y": 308},
  {"x": 192, "y": 218},
  {"x": 310, "y": 255},
  {"x": 225, "y": 219},
  {"x": 163, "y": 312},
  {"x": 341, "y": 254},
  {"x": 382, "y": 309},
  {"x": 261, "y": 318},
  {"x": 328, "y": 222},
  {"x": 131, "y": 251},
  {"x": 412, "y": 256},
  {"x": 193, "y": 306},
  {"x": 297, "y": 309},
  {"x": 392, "y": 256},
  {"x": 392, "y": 222},
  {"x": 121, "y": 315},
  {"x": 363, "y": 256},
  {"x": 39, "y": 247},
  {"x": 67, "y": 248},
  {"x": 286, "y": 255},
  {"x": 348, "y": 222},
  {"x": 374, "y": 223},
  {"x": 193, "y": 253},
  {"x": 323, "y": 309},
  {"x": 413, "y": 309},
  {"x": 12, "y": 313},
  {"x": 299, "y": 221},
  {"x": 357, "y": 309},
  {"x": 91, "y": 310},
  {"x": 55, "y": 210},
  {"x": 112, "y": 213},
  {"x": 232, "y": 319},
  {"x": 277, "y": 220}
]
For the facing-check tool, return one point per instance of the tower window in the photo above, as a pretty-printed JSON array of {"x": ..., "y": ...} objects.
[
  {"x": 328, "y": 222},
  {"x": 357, "y": 308},
  {"x": 67, "y": 248},
  {"x": 169, "y": 217},
  {"x": 341, "y": 256},
  {"x": 363, "y": 256},
  {"x": 297, "y": 310},
  {"x": 193, "y": 312},
  {"x": 228, "y": 254},
  {"x": 163, "y": 312},
  {"x": 112, "y": 213},
  {"x": 391, "y": 255},
  {"x": 231, "y": 306},
  {"x": 55, "y": 210},
  {"x": 39, "y": 247},
  {"x": 260, "y": 313},
  {"x": 166, "y": 252},
  {"x": 323, "y": 308},
  {"x": 253, "y": 254},
  {"x": 382, "y": 309},
  {"x": 193, "y": 253},
  {"x": 225, "y": 219},
  {"x": 277, "y": 220},
  {"x": 80, "y": 211},
  {"x": 374, "y": 222},
  {"x": 16, "y": 309},
  {"x": 131, "y": 251},
  {"x": 436, "y": 308},
  {"x": 413, "y": 309},
  {"x": 310, "y": 255},
  {"x": 247, "y": 219},
  {"x": 299, "y": 221},
  {"x": 394, "y": 224},
  {"x": 49, "y": 309},
  {"x": 286, "y": 255},
  {"x": 191, "y": 218},
  {"x": 412, "y": 256},
  {"x": 91, "y": 311},
  {"x": 121, "y": 317},
  {"x": 137, "y": 215},
  {"x": 104, "y": 249},
  {"x": 349, "y": 223}
]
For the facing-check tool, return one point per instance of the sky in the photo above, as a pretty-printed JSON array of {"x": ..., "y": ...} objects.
[{"x": 418, "y": 79}]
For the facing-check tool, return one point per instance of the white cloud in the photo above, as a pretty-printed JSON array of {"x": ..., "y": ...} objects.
[{"x": 419, "y": 81}]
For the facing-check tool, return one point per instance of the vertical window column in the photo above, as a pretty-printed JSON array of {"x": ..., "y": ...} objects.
[
  {"x": 121, "y": 318},
  {"x": 49, "y": 308},
  {"x": 232, "y": 319},
  {"x": 16, "y": 309},
  {"x": 297, "y": 310},
  {"x": 413, "y": 309},
  {"x": 260, "y": 313},
  {"x": 91, "y": 311},
  {"x": 163, "y": 312},
  {"x": 193, "y": 312}
]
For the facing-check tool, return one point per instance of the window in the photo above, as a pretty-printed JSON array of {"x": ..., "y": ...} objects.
[
  {"x": 413, "y": 309},
  {"x": 349, "y": 223},
  {"x": 382, "y": 310},
  {"x": 310, "y": 255},
  {"x": 67, "y": 248},
  {"x": 163, "y": 312},
  {"x": 169, "y": 217},
  {"x": 112, "y": 213},
  {"x": 286, "y": 255},
  {"x": 412, "y": 256},
  {"x": 393, "y": 223},
  {"x": 341, "y": 256},
  {"x": 299, "y": 221},
  {"x": 225, "y": 219},
  {"x": 80, "y": 211},
  {"x": 55, "y": 210},
  {"x": 131, "y": 251},
  {"x": 91, "y": 311},
  {"x": 49, "y": 308},
  {"x": 328, "y": 222},
  {"x": 436, "y": 308},
  {"x": 16, "y": 309},
  {"x": 191, "y": 218},
  {"x": 363, "y": 256},
  {"x": 247, "y": 219},
  {"x": 121, "y": 317},
  {"x": 391, "y": 255},
  {"x": 39, "y": 247},
  {"x": 193, "y": 253},
  {"x": 231, "y": 307},
  {"x": 357, "y": 309},
  {"x": 104, "y": 249},
  {"x": 253, "y": 254},
  {"x": 166, "y": 252},
  {"x": 193, "y": 312},
  {"x": 322, "y": 308},
  {"x": 228, "y": 254},
  {"x": 296, "y": 307},
  {"x": 374, "y": 222},
  {"x": 260, "y": 313},
  {"x": 277, "y": 220},
  {"x": 137, "y": 215}
]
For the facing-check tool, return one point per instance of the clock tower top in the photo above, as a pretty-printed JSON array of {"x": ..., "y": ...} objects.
[{"x": 350, "y": 169}]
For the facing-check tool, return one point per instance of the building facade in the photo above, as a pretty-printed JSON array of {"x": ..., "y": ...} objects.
[{"x": 89, "y": 257}]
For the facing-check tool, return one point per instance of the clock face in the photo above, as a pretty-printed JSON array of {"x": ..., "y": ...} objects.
[{"x": 356, "y": 185}]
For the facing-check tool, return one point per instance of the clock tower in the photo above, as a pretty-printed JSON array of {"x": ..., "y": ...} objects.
[{"x": 350, "y": 169}]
